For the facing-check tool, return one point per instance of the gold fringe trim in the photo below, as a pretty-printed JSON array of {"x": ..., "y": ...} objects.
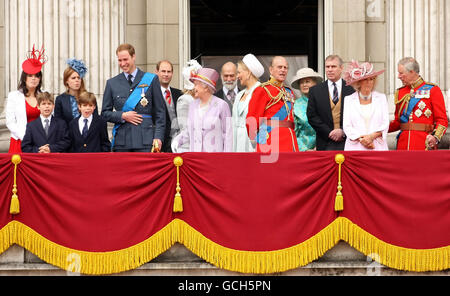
[
  {"x": 93, "y": 263},
  {"x": 6, "y": 237},
  {"x": 263, "y": 262},
  {"x": 416, "y": 260}
]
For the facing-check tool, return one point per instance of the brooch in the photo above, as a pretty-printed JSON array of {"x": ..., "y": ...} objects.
[
  {"x": 418, "y": 113},
  {"x": 422, "y": 105},
  {"x": 142, "y": 85},
  {"x": 428, "y": 113}
]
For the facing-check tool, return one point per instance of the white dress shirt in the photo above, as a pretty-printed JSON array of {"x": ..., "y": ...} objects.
[
  {"x": 331, "y": 87},
  {"x": 81, "y": 123}
]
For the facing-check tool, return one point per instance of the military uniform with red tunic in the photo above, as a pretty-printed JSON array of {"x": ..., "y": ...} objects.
[
  {"x": 270, "y": 118},
  {"x": 419, "y": 112}
]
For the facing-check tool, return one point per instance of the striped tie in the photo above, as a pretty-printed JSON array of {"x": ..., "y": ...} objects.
[{"x": 335, "y": 94}]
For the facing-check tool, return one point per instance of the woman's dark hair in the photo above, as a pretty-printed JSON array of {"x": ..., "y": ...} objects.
[{"x": 23, "y": 85}]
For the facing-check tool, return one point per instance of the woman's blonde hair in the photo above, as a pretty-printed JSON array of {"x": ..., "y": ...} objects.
[{"x": 357, "y": 85}]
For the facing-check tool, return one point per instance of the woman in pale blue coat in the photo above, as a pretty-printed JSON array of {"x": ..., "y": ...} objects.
[
  {"x": 306, "y": 135},
  {"x": 249, "y": 71}
]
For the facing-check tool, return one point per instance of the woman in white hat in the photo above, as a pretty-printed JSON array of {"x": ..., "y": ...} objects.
[
  {"x": 249, "y": 70},
  {"x": 303, "y": 81},
  {"x": 183, "y": 103},
  {"x": 366, "y": 113}
]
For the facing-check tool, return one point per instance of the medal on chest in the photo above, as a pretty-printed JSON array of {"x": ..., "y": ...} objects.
[{"x": 144, "y": 101}]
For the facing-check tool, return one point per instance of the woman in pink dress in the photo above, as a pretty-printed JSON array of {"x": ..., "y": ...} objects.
[{"x": 21, "y": 105}]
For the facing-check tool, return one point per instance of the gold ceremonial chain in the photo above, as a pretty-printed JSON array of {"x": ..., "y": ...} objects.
[{"x": 282, "y": 94}]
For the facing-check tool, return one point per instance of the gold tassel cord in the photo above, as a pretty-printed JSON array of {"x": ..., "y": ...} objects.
[
  {"x": 178, "y": 202},
  {"x": 339, "y": 202},
  {"x": 14, "y": 208}
]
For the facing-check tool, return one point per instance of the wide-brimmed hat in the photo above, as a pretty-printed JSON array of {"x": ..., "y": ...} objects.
[
  {"x": 356, "y": 72},
  {"x": 206, "y": 75},
  {"x": 34, "y": 62},
  {"x": 305, "y": 73},
  {"x": 192, "y": 67},
  {"x": 254, "y": 65}
]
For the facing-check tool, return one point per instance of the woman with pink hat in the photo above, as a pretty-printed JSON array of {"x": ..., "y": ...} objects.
[
  {"x": 21, "y": 105},
  {"x": 303, "y": 81},
  {"x": 209, "y": 119},
  {"x": 366, "y": 113}
]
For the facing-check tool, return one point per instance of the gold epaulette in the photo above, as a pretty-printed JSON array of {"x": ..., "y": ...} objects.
[{"x": 396, "y": 99}]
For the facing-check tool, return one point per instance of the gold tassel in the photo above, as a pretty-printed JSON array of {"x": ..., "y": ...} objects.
[
  {"x": 178, "y": 202},
  {"x": 14, "y": 208},
  {"x": 339, "y": 201}
]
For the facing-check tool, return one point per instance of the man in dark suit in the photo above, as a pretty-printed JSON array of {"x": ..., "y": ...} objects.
[
  {"x": 88, "y": 132},
  {"x": 47, "y": 133},
  {"x": 229, "y": 90},
  {"x": 133, "y": 102},
  {"x": 326, "y": 106},
  {"x": 164, "y": 70}
]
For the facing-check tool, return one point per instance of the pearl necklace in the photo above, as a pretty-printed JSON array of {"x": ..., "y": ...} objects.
[{"x": 365, "y": 98}]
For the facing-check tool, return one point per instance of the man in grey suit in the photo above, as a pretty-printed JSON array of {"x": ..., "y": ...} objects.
[{"x": 133, "y": 102}]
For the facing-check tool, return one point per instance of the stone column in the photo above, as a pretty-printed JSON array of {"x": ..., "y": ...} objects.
[
  {"x": 87, "y": 30},
  {"x": 419, "y": 29},
  {"x": 163, "y": 39}
]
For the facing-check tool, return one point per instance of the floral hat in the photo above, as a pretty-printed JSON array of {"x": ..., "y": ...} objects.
[
  {"x": 356, "y": 72},
  {"x": 34, "y": 62},
  {"x": 78, "y": 66}
]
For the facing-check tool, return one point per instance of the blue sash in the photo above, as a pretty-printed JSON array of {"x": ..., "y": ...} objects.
[
  {"x": 134, "y": 99},
  {"x": 264, "y": 129}
]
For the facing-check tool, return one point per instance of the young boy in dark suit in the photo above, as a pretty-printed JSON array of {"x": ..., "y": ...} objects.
[
  {"x": 46, "y": 134},
  {"x": 88, "y": 133}
]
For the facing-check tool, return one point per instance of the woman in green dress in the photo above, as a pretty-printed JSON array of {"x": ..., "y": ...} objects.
[{"x": 303, "y": 81}]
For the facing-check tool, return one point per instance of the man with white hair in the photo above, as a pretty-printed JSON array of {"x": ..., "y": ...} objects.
[
  {"x": 230, "y": 89},
  {"x": 420, "y": 113}
]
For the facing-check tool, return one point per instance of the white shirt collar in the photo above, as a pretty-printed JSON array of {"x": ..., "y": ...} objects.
[
  {"x": 134, "y": 74},
  {"x": 225, "y": 90},
  {"x": 44, "y": 118}
]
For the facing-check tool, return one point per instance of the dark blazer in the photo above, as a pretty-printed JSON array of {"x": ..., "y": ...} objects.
[
  {"x": 320, "y": 117},
  {"x": 97, "y": 139},
  {"x": 58, "y": 136},
  {"x": 63, "y": 108},
  {"x": 220, "y": 94},
  {"x": 130, "y": 136},
  {"x": 176, "y": 93}
]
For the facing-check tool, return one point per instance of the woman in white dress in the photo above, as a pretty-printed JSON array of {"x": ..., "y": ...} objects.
[
  {"x": 249, "y": 71},
  {"x": 183, "y": 103},
  {"x": 366, "y": 114}
]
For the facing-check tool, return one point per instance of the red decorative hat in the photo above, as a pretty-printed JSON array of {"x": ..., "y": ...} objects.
[{"x": 35, "y": 60}]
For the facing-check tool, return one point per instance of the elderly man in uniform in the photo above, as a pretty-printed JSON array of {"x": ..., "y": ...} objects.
[
  {"x": 420, "y": 112},
  {"x": 270, "y": 118},
  {"x": 133, "y": 102}
]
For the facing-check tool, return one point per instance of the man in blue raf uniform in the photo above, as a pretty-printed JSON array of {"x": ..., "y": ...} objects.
[{"x": 133, "y": 102}]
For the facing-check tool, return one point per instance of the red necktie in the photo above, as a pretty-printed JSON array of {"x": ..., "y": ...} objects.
[{"x": 168, "y": 97}]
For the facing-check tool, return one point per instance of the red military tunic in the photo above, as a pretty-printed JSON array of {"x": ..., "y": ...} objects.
[
  {"x": 428, "y": 116},
  {"x": 270, "y": 118}
]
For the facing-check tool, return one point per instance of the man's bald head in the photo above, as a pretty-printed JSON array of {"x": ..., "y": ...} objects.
[{"x": 279, "y": 68}]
